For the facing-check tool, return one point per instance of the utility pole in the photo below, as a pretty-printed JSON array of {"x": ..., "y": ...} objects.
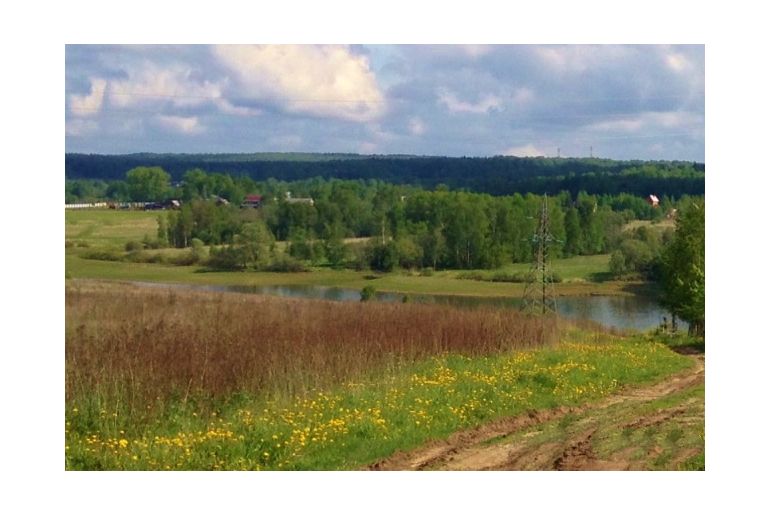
[
  {"x": 592, "y": 151},
  {"x": 539, "y": 295}
]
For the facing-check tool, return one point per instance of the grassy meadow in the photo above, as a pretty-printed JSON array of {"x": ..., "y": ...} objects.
[
  {"x": 159, "y": 380},
  {"x": 90, "y": 232},
  {"x": 162, "y": 379}
]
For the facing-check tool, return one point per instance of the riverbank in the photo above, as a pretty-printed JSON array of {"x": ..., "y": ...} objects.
[{"x": 573, "y": 270}]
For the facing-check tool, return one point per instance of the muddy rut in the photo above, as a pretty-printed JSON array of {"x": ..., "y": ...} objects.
[{"x": 521, "y": 442}]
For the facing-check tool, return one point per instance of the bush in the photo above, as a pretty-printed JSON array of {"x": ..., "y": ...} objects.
[
  {"x": 476, "y": 276},
  {"x": 383, "y": 257},
  {"x": 286, "y": 264},
  {"x": 151, "y": 244},
  {"x": 133, "y": 245},
  {"x": 368, "y": 292},
  {"x": 228, "y": 258},
  {"x": 145, "y": 257},
  {"x": 188, "y": 258},
  {"x": 110, "y": 255}
]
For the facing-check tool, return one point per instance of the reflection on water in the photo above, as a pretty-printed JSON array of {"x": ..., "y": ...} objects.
[{"x": 621, "y": 312}]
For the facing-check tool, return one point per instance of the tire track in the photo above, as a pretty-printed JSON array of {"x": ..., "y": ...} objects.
[{"x": 472, "y": 450}]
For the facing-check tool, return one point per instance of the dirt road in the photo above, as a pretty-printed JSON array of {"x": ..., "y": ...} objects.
[{"x": 655, "y": 427}]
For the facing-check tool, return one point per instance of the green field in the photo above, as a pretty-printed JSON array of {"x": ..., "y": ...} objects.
[
  {"x": 94, "y": 228},
  {"x": 89, "y": 230}
]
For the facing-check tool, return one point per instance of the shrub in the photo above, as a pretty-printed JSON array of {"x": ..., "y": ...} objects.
[
  {"x": 383, "y": 257},
  {"x": 133, "y": 245},
  {"x": 145, "y": 257},
  {"x": 476, "y": 276},
  {"x": 368, "y": 292},
  {"x": 151, "y": 244},
  {"x": 229, "y": 258},
  {"x": 286, "y": 264},
  {"x": 110, "y": 255}
]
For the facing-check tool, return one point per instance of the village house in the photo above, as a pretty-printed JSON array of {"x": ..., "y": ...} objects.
[
  {"x": 252, "y": 201},
  {"x": 653, "y": 200},
  {"x": 299, "y": 200}
]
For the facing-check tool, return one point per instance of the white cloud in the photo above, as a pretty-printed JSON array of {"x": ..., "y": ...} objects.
[
  {"x": 416, "y": 126},
  {"x": 649, "y": 120},
  {"x": 326, "y": 81},
  {"x": 626, "y": 125},
  {"x": 368, "y": 148},
  {"x": 80, "y": 127},
  {"x": 524, "y": 150},
  {"x": 476, "y": 50},
  {"x": 285, "y": 142},
  {"x": 456, "y": 105},
  {"x": 523, "y": 96},
  {"x": 89, "y": 105},
  {"x": 174, "y": 84},
  {"x": 579, "y": 58},
  {"x": 225, "y": 106},
  {"x": 677, "y": 62},
  {"x": 182, "y": 124}
]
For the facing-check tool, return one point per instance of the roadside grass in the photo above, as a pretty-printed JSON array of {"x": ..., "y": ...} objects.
[
  {"x": 657, "y": 433},
  {"x": 204, "y": 420},
  {"x": 358, "y": 423},
  {"x": 664, "y": 434}
]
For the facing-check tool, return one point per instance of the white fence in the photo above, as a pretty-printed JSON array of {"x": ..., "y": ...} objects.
[{"x": 85, "y": 205}]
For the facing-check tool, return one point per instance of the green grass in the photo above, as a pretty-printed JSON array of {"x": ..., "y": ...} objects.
[
  {"x": 443, "y": 282},
  {"x": 113, "y": 228},
  {"x": 360, "y": 422},
  {"x": 666, "y": 433},
  {"x": 574, "y": 269}
]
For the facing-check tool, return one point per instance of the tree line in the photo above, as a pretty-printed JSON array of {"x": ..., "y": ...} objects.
[
  {"x": 500, "y": 175},
  {"x": 407, "y": 226}
]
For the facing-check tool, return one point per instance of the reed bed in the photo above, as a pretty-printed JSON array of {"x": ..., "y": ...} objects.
[{"x": 132, "y": 346}]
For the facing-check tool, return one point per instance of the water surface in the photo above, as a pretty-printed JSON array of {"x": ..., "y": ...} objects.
[{"x": 628, "y": 312}]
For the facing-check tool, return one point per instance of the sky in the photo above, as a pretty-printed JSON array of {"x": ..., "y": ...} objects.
[{"x": 611, "y": 101}]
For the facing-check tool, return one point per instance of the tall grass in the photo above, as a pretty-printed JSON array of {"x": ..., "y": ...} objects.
[{"x": 129, "y": 347}]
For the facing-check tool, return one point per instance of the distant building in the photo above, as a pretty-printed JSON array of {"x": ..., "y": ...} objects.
[
  {"x": 653, "y": 200},
  {"x": 171, "y": 204},
  {"x": 299, "y": 200},
  {"x": 252, "y": 201},
  {"x": 85, "y": 205}
]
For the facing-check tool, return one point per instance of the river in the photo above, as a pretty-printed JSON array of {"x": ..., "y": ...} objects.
[{"x": 627, "y": 312}]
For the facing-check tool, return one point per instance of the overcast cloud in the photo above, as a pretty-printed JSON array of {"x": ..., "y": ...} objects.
[{"x": 622, "y": 102}]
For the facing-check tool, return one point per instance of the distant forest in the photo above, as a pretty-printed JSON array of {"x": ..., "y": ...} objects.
[{"x": 500, "y": 175}]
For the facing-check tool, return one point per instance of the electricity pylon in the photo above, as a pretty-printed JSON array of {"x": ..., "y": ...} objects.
[{"x": 539, "y": 295}]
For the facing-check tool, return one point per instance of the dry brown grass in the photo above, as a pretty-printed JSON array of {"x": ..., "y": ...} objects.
[{"x": 132, "y": 345}]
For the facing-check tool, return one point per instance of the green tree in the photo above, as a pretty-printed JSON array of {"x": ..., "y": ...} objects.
[
  {"x": 683, "y": 268},
  {"x": 147, "y": 183},
  {"x": 162, "y": 231},
  {"x": 574, "y": 243},
  {"x": 255, "y": 240}
]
